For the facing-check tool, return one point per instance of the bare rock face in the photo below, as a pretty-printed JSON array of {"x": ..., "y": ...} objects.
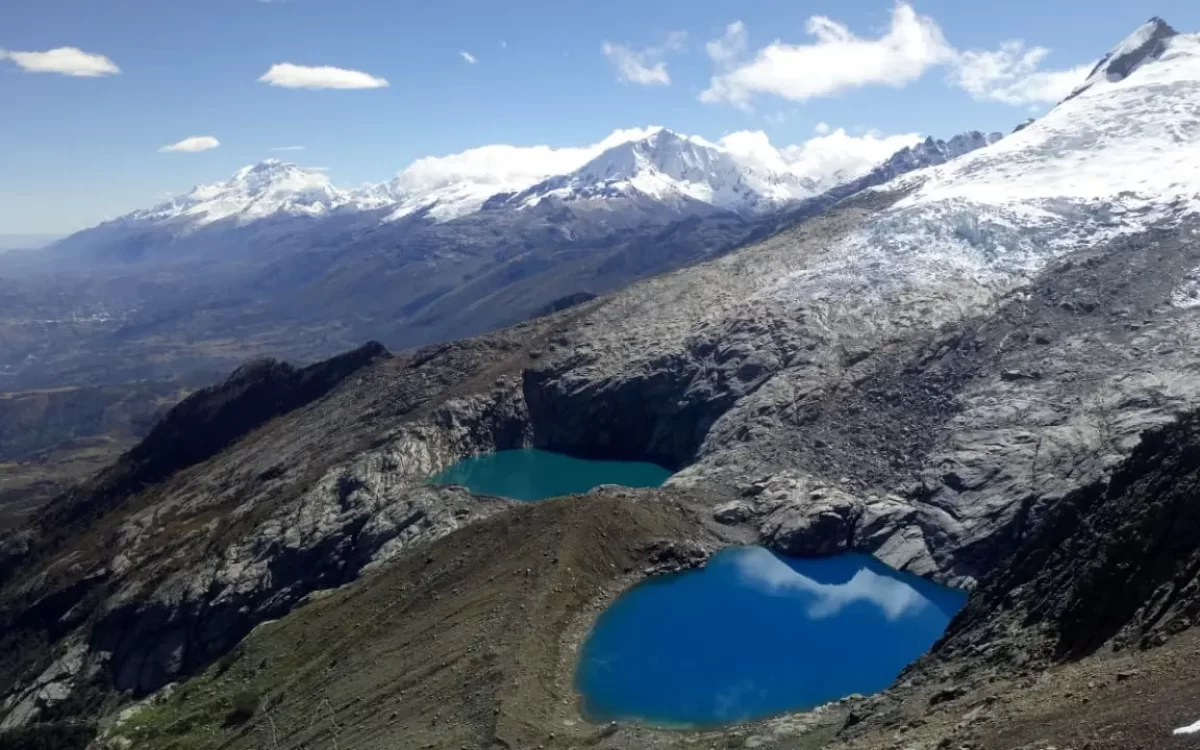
[
  {"x": 803, "y": 518},
  {"x": 733, "y": 512},
  {"x": 1112, "y": 563},
  {"x": 179, "y": 565}
]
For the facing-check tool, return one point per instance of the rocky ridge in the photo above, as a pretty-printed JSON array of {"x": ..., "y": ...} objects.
[{"x": 938, "y": 410}]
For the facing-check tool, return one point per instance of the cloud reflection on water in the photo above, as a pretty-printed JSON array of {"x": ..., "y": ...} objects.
[{"x": 765, "y": 572}]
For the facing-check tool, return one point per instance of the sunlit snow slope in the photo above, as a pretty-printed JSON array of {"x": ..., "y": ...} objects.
[{"x": 1118, "y": 156}]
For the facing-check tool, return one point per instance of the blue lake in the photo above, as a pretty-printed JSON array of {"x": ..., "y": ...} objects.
[
  {"x": 753, "y": 634},
  {"x": 531, "y": 474}
]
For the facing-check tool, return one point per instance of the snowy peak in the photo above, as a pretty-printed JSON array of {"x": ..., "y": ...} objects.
[
  {"x": 970, "y": 141},
  {"x": 1133, "y": 130},
  {"x": 254, "y": 192},
  {"x": 1145, "y": 44},
  {"x": 664, "y": 151},
  {"x": 1118, "y": 158},
  {"x": 271, "y": 173},
  {"x": 672, "y": 168}
]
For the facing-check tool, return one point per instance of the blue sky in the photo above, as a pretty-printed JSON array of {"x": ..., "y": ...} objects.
[{"x": 77, "y": 149}]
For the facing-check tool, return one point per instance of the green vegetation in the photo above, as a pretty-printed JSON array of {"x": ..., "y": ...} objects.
[{"x": 197, "y": 715}]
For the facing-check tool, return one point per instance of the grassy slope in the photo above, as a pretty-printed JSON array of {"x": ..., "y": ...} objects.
[{"x": 458, "y": 644}]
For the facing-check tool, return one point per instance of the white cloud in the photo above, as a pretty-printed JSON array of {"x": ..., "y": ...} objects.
[
  {"x": 287, "y": 148},
  {"x": 836, "y": 61},
  {"x": 647, "y": 67},
  {"x": 506, "y": 165},
  {"x": 67, "y": 61},
  {"x": 821, "y": 128},
  {"x": 289, "y": 76},
  {"x": 829, "y": 157},
  {"x": 193, "y": 144},
  {"x": 1010, "y": 75},
  {"x": 633, "y": 67},
  {"x": 468, "y": 57},
  {"x": 730, "y": 48},
  {"x": 836, "y": 152}
]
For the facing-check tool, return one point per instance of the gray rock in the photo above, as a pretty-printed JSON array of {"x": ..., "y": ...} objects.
[{"x": 733, "y": 512}]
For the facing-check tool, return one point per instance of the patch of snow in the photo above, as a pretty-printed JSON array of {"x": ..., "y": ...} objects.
[
  {"x": 449, "y": 201},
  {"x": 1189, "y": 729}
]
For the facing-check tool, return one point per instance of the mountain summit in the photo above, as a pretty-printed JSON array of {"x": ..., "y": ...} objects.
[
  {"x": 254, "y": 192},
  {"x": 1147, "y": 43},
  {"x": 672, "y": 168}
]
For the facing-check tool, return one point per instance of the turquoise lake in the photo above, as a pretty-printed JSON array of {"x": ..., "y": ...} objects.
[
  {"x": 753, "y": 634},
  {"x": 531, "y": 474}
]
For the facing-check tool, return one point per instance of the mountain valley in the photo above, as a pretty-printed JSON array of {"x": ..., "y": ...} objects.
[{"x": 978, "y": 361}]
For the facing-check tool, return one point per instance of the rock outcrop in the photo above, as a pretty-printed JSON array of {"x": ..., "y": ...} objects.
[
  {"x": 246, "y": 498},
  {"x": 1114, "y": 563}
]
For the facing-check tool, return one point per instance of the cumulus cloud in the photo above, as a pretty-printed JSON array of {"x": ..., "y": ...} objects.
[
  {"x": 67, "y": 61},
  {"x": 1010, "y": 75},
  {"x": 837, "y": 60},
  {"x": 834, "y": 152},
  {"x": 468, "y": 57},
  {"x": 829, "y": 157},
  {"x": 289, "y": 76},
  {"x": 195, "y": 143},
  {"x": 287, "y": 148},
  {"x": 646, "y": 67}
]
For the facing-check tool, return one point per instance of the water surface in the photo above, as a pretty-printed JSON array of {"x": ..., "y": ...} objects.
[
  {"x": 531, "y": 474},
  {"x": 753, "y": 634}
]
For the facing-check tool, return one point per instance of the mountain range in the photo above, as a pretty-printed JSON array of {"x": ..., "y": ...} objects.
[
  {"x": 680, "y": 174},
  {"x": 977, "y": 362},
  {"x": 278, "y": 261}
]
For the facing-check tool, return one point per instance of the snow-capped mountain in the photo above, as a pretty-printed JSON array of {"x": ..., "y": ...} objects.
[
  {"x": 232, "y": 220},
  {"x": 447, "y": 201},
  {"x": 672, "y": 168},
  {"x": 1126, "y": 146},
  {"x": 1146, "y": 44},
  {"x": 928, "y": 153},
  {"x": 1119, "y": 155},
  {"x": 652, "y": 174},
  {"x": 255, "y": 192}
]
